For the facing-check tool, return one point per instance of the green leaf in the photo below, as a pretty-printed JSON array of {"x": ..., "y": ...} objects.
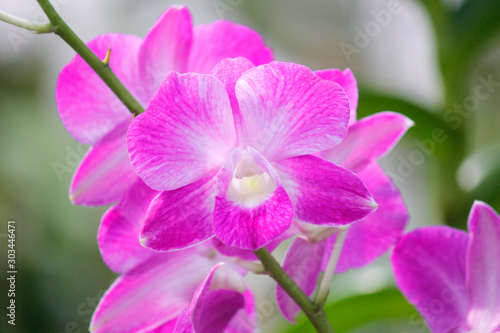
[
  {"x": 475, "y": 22},
  {"x": 356, "y": 311}
]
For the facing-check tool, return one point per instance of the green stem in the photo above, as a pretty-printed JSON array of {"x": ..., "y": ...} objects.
[
  {"x": 25, "y": 24},
  {"x": 314, "y": 313},
  {"x": 102, "y": 69}
]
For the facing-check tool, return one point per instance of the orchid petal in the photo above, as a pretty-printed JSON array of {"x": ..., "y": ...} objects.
[
  {"x": 151, "y": 294},
  {"x": 250, "y": 227},
  {"x": 245, "y": 320},
  {"x": 288, "y": 111},
  {"x": 87, "y": 106},
  {"x": 368, "y": 139},
  {"x": 302, "y": 263},
  {"x": 324, "y": 193},
  {"x": 348, "y": 82},
  {"x": 429, "y": 268},
  {"x": 180, "y": 218},
  {"x": 186, "y": 132},
  {"x": 227, "y": 303},
  {"x": 203, "y": 288},
  {"x": 184, "y": 324},
  {"x": 372, "y": 236},
  {"x": 483, "y": 268},
  {"x": 223, "y": 39},
  {"x": 166, "y": 47},
  {"x": 105, "y": 172},
  {"x": 118, "y": 235},
  {"x": 216, "y": 292},
  {"x": 228, "y": 71},
  {"x": 168, "y": 327}
]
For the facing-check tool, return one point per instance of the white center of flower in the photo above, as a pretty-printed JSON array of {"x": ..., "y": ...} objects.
[{"x": 250, "y": 185}]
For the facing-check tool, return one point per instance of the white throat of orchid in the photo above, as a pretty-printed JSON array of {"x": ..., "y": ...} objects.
[{"x": 250, "y": 185}]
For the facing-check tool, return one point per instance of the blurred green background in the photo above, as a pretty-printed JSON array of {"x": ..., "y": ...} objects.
[{"x": 425, "y": 59}]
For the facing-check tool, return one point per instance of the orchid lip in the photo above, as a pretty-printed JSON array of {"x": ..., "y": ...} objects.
[{"x": 250, "y": 185}]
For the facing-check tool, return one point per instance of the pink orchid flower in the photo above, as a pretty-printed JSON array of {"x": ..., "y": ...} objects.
[
  {"x": 155, "y": 288},
  {"x": 366, "y": 141},
  {"x": 173, "y": 295},
  {"x": 231, "y": 154},
  {"x": 453, "y": 278},
  {"x": 220, "y": 304},
  {"x": 93, "y": 114}
]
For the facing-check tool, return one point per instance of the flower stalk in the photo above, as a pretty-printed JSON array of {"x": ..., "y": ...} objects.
[
  {"x": 254, "y": 267},
  {"x": 314, "y": 313},
  {"x": 25, "y": 24},
  {"x": 326, "y": 281},
  {"x": 59, "y": 27}
]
